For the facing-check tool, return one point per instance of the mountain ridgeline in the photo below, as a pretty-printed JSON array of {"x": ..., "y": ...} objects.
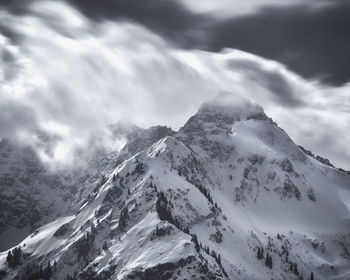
[{"x": 228, "y": 196}]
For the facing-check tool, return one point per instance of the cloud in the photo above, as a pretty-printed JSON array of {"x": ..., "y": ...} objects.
[
  {"x": 310, "y": 41},
  {"x": 170, "y": 18},
  {"x": 272, "y": 78},
  {"x": 15, "y": 117},
  {"x": 227, "y": 8},
  {"x": 301, "y": 34},
  {"x": 69, "y": 77}
]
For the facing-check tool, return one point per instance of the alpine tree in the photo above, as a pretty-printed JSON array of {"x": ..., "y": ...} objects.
[
  {"x": 268, "y": 261},
  {"x": 123, "y": 217},
  {"x": 295, "y": 269},
  {"x": 260, "y": 253},
  {"x": 14, "y": 257},
  {"x": 196, "y": 243},
  {"x": 9, "y": 258},
  {"x": 48, "y": 271}
]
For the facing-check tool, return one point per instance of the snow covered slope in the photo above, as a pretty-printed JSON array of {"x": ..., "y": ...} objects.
[
  {"x": 200, "y": 204},
  {"x": 33, "y": 194}
]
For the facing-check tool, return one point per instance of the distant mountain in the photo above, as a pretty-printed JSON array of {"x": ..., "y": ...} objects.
[
  {"x": 30, "y": 195},
  {"x": 228, "y": 196}
]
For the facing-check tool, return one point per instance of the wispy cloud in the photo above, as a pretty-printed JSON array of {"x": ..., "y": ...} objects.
[{"x": 70, "y": 76}]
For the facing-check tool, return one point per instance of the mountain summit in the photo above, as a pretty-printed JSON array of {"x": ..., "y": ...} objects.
[
  {"x": 230, "y": 105},
  {"x": 228, "y": 196},
  {"x": 224, "y": 109}
]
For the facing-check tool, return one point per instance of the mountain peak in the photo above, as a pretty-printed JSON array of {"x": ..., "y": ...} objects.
[
  {"x": 221, "y": 112},
  {"x": 229, "y": 104},
  {"x": 123, "y": 127}
]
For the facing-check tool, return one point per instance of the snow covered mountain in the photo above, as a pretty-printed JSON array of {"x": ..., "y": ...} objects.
[
  {"x": 228, "y": 196},
  {"x": 32, "y": 194}
]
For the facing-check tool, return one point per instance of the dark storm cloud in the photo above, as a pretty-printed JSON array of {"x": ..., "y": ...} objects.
[
  {"x": 282, "y": 90},
  {"x": 16, "y": 6},
  {"x": 9, "y": 32},
  {"x": 311, "y": 41},
  {"x": 167, "y": 17}
]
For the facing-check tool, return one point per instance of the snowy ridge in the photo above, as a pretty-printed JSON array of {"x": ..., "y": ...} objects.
[{"x": 199, "y": 204}]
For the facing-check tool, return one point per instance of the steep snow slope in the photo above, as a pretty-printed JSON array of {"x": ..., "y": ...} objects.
[
  {"x": 267, "y": 186},
  {"x": 231, "y": 179},
  {"x": 136, "y": 139},
  {"x": 31, "y": 194}
]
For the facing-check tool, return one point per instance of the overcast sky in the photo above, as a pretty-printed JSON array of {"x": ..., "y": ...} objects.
[{"x": 70, "y": 68}]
